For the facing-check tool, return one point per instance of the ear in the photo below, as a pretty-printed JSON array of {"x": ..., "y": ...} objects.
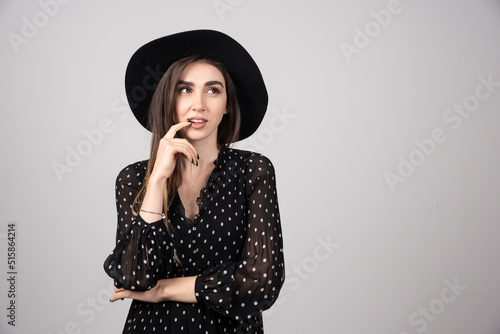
[{"x": 226, "y": 111}]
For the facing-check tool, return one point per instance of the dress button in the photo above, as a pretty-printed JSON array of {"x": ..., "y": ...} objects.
[{"x": 194, "y": 228}]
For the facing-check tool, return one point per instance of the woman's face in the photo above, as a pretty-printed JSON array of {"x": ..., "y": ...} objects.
[{"x": 201, "y": 97}]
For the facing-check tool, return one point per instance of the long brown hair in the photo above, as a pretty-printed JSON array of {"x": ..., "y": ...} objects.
[{"x": 162, "y": 115}]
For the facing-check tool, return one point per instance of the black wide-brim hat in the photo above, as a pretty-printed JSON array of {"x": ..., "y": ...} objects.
[{"x": 151, "y": 61}]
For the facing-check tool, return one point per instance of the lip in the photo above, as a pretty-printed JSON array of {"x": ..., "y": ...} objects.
[{"x": 197, "y": 122}]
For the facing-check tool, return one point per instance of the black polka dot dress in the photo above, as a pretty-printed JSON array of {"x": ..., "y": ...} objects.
[{"x": 234, "y": 247}]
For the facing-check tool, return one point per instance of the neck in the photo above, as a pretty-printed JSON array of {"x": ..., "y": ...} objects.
[{"x": 208, "y": 152}]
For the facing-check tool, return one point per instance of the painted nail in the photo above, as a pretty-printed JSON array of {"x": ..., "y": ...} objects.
[
  {"x": 197, "y": 156},
  {"x": 196, "y": 163},
  {"x": 192, "y": 161}
]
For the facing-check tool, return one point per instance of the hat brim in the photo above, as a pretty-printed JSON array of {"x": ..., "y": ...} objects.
[{"x": 151, "y": 61}]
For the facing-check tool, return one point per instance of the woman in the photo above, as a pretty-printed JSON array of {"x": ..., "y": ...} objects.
[{"x": 199, "y": 244}]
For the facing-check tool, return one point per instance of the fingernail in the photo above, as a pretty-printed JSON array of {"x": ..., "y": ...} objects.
[
  {"x": 198, "y": 156},
  {"x": 192, "y": 161},
  {"x": 196, "y": 163}
]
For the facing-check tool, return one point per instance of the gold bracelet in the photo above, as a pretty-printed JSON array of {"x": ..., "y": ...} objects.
[{"x": 156, "y": 213}]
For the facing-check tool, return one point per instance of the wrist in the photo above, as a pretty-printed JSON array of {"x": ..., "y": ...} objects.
[
  {"x": 155, "y": 181},
  {"x": 163, "y": 291},
  {"x": 180, "y": 289}
]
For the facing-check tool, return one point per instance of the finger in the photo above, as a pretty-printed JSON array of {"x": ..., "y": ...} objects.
[
  {"x": 184, "y": 147},
  {"x": 194, "y": 156},
  {"x": 118, "y": 289},
  {"x": 174, "y": 128},
  {"x": 121, "y": 295}
]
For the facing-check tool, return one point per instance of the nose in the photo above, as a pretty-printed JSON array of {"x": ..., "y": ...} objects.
[{"x": 198, "y": 103}]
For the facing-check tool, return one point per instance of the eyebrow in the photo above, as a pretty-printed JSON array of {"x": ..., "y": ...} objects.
[{"x": 208, "y": 83}]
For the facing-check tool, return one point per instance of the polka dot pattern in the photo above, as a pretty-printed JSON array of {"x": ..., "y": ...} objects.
[{"x": 234, "y": 247}]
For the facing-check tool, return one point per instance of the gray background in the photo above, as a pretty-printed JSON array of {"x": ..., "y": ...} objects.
[{"x": 335, "y": 127}]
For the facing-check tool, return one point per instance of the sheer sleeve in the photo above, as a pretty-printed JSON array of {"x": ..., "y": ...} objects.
[
  {"x": 243, "y": 289},
  {"x": 140, "y": 256}
]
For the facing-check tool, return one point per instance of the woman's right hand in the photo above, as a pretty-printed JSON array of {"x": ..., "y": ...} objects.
[{"x": 169, "y": 150}]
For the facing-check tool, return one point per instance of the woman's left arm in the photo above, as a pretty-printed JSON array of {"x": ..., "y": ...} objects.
[{"x": 243, "y": 289}]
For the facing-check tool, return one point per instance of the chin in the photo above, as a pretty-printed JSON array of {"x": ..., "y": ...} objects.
[{"x": 197, "y": 135}]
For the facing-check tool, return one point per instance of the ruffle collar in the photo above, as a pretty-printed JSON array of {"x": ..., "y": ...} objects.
[{"x": 211, "y": 190}]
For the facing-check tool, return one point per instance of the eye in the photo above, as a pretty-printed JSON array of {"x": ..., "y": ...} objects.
[
  {"x": 184, "y": 90},
  {"x": 213, "y": 90}
]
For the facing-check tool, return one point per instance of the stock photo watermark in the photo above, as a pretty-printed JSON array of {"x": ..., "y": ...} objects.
[
  {"x": 380, "y": 19},
  {"x": 454, "y": 118},
  {"x": 90, "y": 139},
  {"x": 421, "y": 318},
  {"x": 87, "y": 310},
  {"x": 11, "y": 273},
  {"x": 278, "y": 121},
  {"x": 94, "y": 137},
  {"x": 224, "y": 6},
  {"x": 298, "y": 273},
  {"x": 31, "y": 26},
  {"x": 322, "y": 251}
]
